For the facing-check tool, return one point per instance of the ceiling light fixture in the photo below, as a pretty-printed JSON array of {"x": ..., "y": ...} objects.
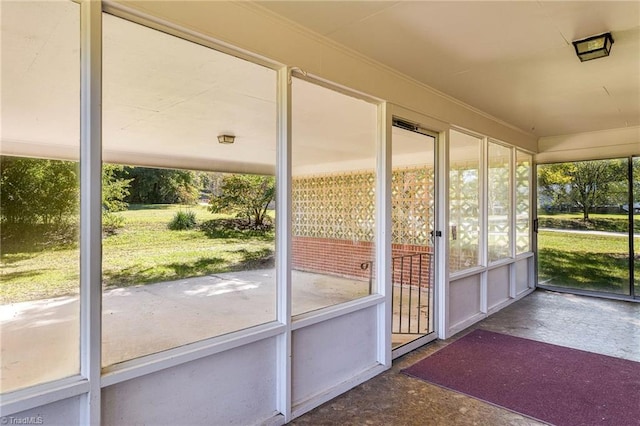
[
  {"x": 593, "y": 47},
  {"x": 226, "y": 139}
]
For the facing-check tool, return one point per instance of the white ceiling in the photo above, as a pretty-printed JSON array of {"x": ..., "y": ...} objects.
[
  {"x": 165, "y": 100},
  {"x": 511, "y": 59}
]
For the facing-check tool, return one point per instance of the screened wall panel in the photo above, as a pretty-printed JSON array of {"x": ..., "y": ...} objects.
[
  {"x": 583, "y": 211},
  {"x": 499, "y": 202},
  {"x": 464, "y": 200},
  {"x": 333, "y": 196},
  {"x": 523, "y": 201},
  {"x": 188, "y": 225},
  {"x": 39, "y": 191}
]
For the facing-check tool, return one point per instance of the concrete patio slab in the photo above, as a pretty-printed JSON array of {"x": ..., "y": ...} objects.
[
  {"x": 142, "y": 320},
  {"x": 39, "y": 339}
]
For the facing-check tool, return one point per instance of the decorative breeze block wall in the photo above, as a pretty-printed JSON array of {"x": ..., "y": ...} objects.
[{"x": 334, "y": 223}]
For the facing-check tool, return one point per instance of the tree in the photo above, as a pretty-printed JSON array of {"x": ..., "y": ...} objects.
[
  {"x": 246, "y": 195},
  {"x": 115, "y": 188},
  {"x": 37, "y": 190},
  {"x": 583, "y": 184},
  {"x": 162, "y": 186},
  {"x": 209, "y": 182}
]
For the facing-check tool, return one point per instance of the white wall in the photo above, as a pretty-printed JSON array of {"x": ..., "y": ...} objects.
[
  {"x": 221, "y": 389},
  {"x": 524, "y": 275},
  {"x": 475, "y": 295},
  {"x": 332, "y": 352},
  {"x": 464, "y": 304},
  {"x": 498, "y": 286},
  {"x": 60, "y": 413}
]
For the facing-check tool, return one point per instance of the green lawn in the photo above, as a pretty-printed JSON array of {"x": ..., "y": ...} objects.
[
  {"x": 582, "y": 260},
  {"x": 613, "y": 216},
  {"x": 596, "y": 222},
  {"x": 144, "y": 251}
]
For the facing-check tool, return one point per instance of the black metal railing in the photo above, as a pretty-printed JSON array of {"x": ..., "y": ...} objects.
[
  {"x": 412, "y": 290},
  {"x": 411, "y": 293}
]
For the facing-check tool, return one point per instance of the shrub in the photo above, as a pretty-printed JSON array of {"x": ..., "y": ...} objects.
[
  {"x": 236, "y": 228},
  {"x": 30, "y": 238},
  {"x": 111, "y": 222},
  {"x": 183, "y": 220}
]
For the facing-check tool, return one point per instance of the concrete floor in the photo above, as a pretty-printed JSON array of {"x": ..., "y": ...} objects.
[
  {"x": 38, "y": 339},
  {"x": 145, "y": 319},
  {"x": 603, "y": 326},
  {"x": 142, "y": 320}
]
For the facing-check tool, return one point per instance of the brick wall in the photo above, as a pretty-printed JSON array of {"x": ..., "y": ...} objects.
[
  {"x": 332, "y": 256},
  {"x": 333, "y": 223},
  {"x": 344, "y": 257}
]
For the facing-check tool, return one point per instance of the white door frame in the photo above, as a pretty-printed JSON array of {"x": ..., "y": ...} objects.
[{"x": 439, "y": 131}]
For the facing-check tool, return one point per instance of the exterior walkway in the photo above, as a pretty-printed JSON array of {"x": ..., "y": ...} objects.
[
  {"x": 603, "y": 326},
  {"x": 146, "y": 319}
]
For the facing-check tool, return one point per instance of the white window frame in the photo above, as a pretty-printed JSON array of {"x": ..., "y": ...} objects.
[{"x": 93, "y": 377}]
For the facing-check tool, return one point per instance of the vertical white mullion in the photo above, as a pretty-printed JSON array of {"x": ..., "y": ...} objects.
[
  {"x": 90, "y": 206},
  {"x": 514, "y": 199},
  {"x": 442, "y": 244},
  {"x": 383, "y": 236},
  {"x": 484, "y": 203},
  {"x": 533, "y": 215},
  {"x": 512, "y": 219},
  {"x": 484, "y": 222},
  {"x": 283, "y": 241}
]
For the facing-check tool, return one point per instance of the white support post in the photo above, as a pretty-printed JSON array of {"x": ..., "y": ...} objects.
[
  {"x": 513, "y": 200},
  {"x": 283, "y": 241},
  {"x": 442, "y": 249},
  {"x": 484, "y": 223},
  {"x": 513, "y": 235},
  {"x": 483, "y": 180},
  {"x": 382, "y": 262},
  {"x": 90, "y": 206}
]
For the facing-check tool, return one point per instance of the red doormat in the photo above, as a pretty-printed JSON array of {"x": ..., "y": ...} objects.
[{"x": 554, "y": 384}]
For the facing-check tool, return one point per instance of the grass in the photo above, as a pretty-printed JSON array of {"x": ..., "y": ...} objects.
[
  {"x": 144, "y": 251},
  {"x": 613, "y": 216},
  {"x": 586, "y": 261},
  {"x": 596, "y": 222}
]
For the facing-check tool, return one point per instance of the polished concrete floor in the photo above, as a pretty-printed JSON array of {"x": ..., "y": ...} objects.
[{"x": 596, "y": 325}]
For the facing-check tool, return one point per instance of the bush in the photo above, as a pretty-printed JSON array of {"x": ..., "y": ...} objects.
[
  {"x": 236, "y": 228},
  {"x": 183, "y": 220},
  {"x": 26, "y": 238},
  {"x": 111, "y": 222}
]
